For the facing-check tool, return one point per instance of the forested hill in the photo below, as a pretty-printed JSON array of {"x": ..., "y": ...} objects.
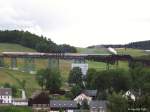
[
  {"x": 145, "y": 45},
  {"x": 140, "y": 45},
  {"x": 39, "y": 43}
]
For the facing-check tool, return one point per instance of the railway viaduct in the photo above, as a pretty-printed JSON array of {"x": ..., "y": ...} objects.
[{"x": 53, "y": 59}]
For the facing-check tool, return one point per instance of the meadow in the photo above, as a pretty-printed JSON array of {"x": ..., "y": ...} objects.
[{"x": 14, "y": 77}]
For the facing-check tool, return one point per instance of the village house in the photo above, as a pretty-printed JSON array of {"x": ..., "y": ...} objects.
[
  {"x": 39, "y": 100},
  {"x": 80, "y": 98},
  {"x": 5, "y": 95},
  {"x": 130, "y": 94}
]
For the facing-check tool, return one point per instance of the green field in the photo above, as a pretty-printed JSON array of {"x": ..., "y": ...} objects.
[
  {"x": 102, "y": 66},
  {"x": 93, "y": 50},
  {"x": 15, "y": 77},
  {"x": 122, "y": 51},
  {"x": 130, "y": 51},
  {"x": 7, "y": 47}
]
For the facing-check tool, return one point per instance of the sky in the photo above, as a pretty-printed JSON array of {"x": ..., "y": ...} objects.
[{"x": 80, "y": 23}]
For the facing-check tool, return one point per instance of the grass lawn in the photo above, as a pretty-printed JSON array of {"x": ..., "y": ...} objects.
[
  {"x": 130, "y": 51},
  {"x": 93, "y": 50},
  {"x": 5, "y": 78},
  {"x": 103, "y": 66},
  {"x": 7, "y": 47}
]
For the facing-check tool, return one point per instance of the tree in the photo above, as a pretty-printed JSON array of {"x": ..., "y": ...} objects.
[
  {"x": 121, "y": 80},
  {"x": 67, "y": 49},
  {"x": 116, "y": 79},
  {"x": 41, "y": 78},
  {"x": 23, "y": 84},
  {"x": 112, "y": 80},
  {"x": 15, "y": 92},
  {"x": 102, "y": 80},
  {"x": 75, "y": 76},
  {"x": 39, "y": 43},
  {"x": 140, "y": 79},
  {"x": 135, "y": 65},
  {"x": 91, "y": 73},
  {"x": 140, "y": 45},
  {"x": 147, "y": 102},
  {"x": 117, "y": 103},
  {"x": 49, "y": 79},
  {"x": 53, "y": 82},
  {"x": 75, "y": 90}
]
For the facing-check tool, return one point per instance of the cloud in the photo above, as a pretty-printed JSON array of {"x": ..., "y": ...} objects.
[
  {"x": 30, "y": 15},
  {"x": 79, "y": 22},
  {"x": 10, "y": 19}
]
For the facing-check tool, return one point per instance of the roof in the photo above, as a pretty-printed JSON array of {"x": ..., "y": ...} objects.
[
  {"x": 35, "y": 94},
  {"x": 38, "y": 93},
  {"x": 5, "y": 91},
  {"x": 91, "y": 93},
  {"x": 98, "y": 104},
  {"x": 39, "y": 98},
  {"x": 57, "y": 104}
]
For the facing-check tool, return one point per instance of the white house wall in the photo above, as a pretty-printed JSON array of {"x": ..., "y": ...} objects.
[
  {"x": 20, "y": 103},
  {"x": 6, "y": 99}
]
